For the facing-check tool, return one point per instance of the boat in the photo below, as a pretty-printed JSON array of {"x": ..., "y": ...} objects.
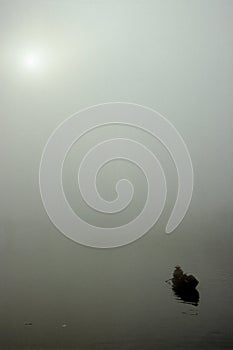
[{"x": 184, "y": 283}]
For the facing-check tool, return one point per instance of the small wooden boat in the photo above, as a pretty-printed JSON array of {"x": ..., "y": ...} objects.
[{"x": 186, "y": 283}]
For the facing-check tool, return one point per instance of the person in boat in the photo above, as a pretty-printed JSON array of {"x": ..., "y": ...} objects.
[
  {"x": 182, "y": 281},
  {"x": 178, "y": 273}
]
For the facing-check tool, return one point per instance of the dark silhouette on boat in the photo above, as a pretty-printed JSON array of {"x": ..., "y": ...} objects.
[
  {"x": 183, "y": 282},
  {"x": 184, "y": 286}
]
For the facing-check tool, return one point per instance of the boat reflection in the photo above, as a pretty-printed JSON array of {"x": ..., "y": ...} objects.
[{"x": 187, "y": 296}]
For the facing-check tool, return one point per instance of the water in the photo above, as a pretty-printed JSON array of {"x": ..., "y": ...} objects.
[{"x": 59, "y": 295}]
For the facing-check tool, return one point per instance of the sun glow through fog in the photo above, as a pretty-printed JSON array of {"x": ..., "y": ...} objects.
[{"x": 33, "y": 61}]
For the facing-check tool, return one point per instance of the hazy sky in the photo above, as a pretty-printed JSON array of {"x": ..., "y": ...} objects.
[{"x": 61, "y": 56}]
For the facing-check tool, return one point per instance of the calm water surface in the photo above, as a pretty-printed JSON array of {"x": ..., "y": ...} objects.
[{"x": 65, "y": 296}]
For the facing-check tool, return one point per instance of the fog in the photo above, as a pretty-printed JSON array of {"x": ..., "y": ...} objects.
[{"x": 58, "y": 57}]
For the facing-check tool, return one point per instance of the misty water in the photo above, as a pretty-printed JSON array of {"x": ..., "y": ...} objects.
[{"x": 59, "y": 295}]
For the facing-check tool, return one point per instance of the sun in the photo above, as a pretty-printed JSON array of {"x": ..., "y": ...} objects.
[{"x": 33, "y": 61}]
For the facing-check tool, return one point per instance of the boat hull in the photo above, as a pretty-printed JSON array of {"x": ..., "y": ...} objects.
[{"x": 185, "y": 283}]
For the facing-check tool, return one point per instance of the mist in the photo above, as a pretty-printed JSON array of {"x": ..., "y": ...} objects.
[{"x": 58, "y": 57}]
